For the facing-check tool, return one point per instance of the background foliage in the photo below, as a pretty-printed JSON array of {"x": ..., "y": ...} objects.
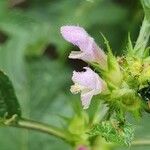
[{"x": 34, "y": 55}]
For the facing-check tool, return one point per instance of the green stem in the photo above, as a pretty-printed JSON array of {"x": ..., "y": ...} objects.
[
  {"x": 141, "y": 142},
  {"x": 44, "y": 128},
  {"x": 51, "y": 130},
  {"x": 143, "y": 38}
]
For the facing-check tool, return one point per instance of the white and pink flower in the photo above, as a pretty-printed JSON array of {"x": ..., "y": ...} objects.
[
  {"x": 88, "y": 83},
  {"x": 90, "y": 52}
]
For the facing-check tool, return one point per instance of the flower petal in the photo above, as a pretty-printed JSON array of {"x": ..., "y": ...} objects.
[
  {"x": 75, "y": 35},
  {"x": 86, "y": 99},
  {"x": 88, "y": 79},
  {"x": 88, "y": 83},
  {"x": 76, "y": 55}
]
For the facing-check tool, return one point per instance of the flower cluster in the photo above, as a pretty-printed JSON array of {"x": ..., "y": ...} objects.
[
  {"x": 87, "y": 82},
  {"x": 121, "y": 83},
  {"x": 117, "y": 80}
]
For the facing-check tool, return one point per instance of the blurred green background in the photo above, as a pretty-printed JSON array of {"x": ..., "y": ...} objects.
[{"x": 34, "y": 55}]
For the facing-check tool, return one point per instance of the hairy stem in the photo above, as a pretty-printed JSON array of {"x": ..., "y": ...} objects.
[
  {"x": 41, "y": 127},
  {"x": 51, "y": 130},
  {"x": 143, "y": 38},
  {"x": 141, "y": 142}
]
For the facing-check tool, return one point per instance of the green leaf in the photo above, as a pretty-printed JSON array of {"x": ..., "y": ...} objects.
[
  {"x": 9, "y": 105},
  {"x": 113, "y": 132}
]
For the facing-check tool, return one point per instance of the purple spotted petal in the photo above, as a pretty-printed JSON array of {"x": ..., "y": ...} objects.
[
  {"x": 90, "y": 52},
  {"x": 91, "y": 84}
]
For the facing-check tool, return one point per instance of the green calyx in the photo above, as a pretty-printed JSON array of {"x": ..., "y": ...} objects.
[
  {"x": 127, "y": 75},
  {"x": 124, "y": 81},
  {"x": 122, "y": 78},
  {"x": 112, "y": 74}
]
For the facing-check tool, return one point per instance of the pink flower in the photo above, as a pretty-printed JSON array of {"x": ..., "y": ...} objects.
[
  {"x": 88, "y": 83},
  {"x": 90, "y": 52},
  {"x": 82, "y": 148}
]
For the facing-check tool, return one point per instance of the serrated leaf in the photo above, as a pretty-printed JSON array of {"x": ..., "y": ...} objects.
[
  {"x": 111, "y": 131},
  {"x": 9, "y": 105}
]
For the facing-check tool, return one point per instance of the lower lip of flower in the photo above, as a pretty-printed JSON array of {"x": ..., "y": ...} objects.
[{"x": 76, "y": 88}]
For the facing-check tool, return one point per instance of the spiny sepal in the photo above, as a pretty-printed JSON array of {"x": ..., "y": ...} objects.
[{"x": 112, "y": 74}]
